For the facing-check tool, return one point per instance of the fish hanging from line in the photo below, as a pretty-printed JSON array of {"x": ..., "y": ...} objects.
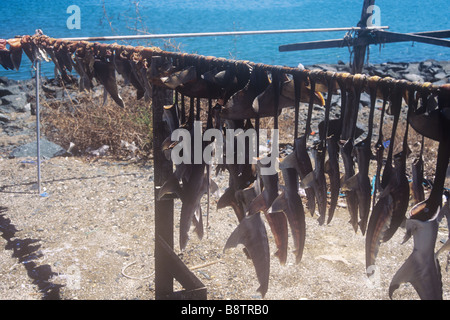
[
  {"x": 346, "y": 144},
  {"x": 251, "y": 232},
  {"x": 290, "y": 202},
  {"x": 239, "y": 105},
  {"x": 263, "y": 104},
  {"x": 379, "y": 147},
  {"x": 316, "y": 178},
  {"x": 241, "y": 177},
  {"x": 105, "y": 73},
  {"x": 276, "y": 218},
  {"x": 15, "y": 49},
  {"x": 83, "y": 63},
  {"x": 123, "y": 66},
  {"x": 421, "y": 268},
  {"x": 360, "y": 182},
  {"x": 390, "y": 209}
]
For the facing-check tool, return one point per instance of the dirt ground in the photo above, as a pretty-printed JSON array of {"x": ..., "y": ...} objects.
[{"x": 91, "y": 236}]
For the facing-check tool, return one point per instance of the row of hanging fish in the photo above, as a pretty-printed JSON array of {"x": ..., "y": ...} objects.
[
  {"x": 252, "y": 195},
  {"x": 239, "y": 94}
]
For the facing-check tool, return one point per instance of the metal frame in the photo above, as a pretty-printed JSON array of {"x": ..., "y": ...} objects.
[{"x": 368, "y": 35}]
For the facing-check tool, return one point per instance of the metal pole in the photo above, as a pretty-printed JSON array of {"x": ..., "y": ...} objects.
[
  {"x": 38, "y": 133},
  {"x": 216, "y": 34}
]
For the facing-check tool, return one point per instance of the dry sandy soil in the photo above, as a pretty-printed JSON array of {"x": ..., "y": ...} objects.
[{"x": 92, "y": 237}]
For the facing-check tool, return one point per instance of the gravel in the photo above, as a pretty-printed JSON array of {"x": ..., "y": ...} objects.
[{"x": 91, "y": 236}]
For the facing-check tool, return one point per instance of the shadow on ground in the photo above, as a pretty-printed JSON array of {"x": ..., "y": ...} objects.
[{"x": 27, "y": 251}]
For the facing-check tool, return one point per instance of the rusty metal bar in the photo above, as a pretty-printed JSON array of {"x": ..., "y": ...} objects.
[
  {"x": 383, "y": 36},
  {"x": 339, "y": 43},
  {"x": 215, "y": 34},
  {"x": 148, "y": 52},
  {"x": 38, "y": 130}
]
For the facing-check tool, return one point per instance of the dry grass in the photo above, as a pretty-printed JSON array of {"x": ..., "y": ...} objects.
[{"x": 89, "y": 123}]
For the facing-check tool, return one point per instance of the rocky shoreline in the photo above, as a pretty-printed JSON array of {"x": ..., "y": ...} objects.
[{"x": 17, "y": 100}]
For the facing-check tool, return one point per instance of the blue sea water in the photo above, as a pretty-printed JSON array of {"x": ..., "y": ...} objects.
[{"x": 127, "y": 17}]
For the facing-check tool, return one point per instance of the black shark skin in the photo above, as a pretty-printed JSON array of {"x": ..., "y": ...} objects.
[
  {"x": 251, "y": 232},
  {"x": 106, "y": 74},
  {"x": 421, "y": 268},
  {"x": 389, "y": 212},
  {"x": 290, "y": 202},
  {"x": 346, "y": 147},
  {"x": 361, "y": 182}
]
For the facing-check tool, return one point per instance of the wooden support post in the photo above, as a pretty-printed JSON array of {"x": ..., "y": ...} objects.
[
  {"x": 359, "y": 51},
  {"x": 162, "y": 169},
  {"x": 168, "y": 266},
  {"x": 194, "y": 289}
]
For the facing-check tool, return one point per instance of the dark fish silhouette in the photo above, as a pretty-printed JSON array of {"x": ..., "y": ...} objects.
[
  {"x": 304, "y": 168},
  {"x": 123, "y": 66},
  {"x": 268, "y": 194},
  {"x": 389, "y": 212},
  {"x": 144, "y": 72},
  {"x": 193, "y": 187},
  {"x": 241, "y": 176},
  {"x": 83, "y": 63},
  {"x": 304, "y": 165},
  {"x": 59, "y": 67},
  {"x": 263, "y": 104},
  {"x": 15, "y": 49},
  {"x": 332, "y": 169},
  {"x": 317, "y": 177},
  {"x": 239, "y": 106},
  {"x": 421, "y": 268},
  {"x": 251, "y": 232},
  {"x": 5, "y": 56},
  {"x": 361, "y": 182},
  {"x": 276, "y": 218},
  {"x": 279, "y": 227},
  {"x": 105, "y": 73},
  {"x": 316, "y": 180},
  {"x": 379, "y": 149},
  {"x": 290, "y": 202},
  {"x": 346, "y": 144},
  {"x": 28, "y": 47}
]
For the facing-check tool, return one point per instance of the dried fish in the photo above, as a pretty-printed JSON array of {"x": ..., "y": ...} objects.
[
  {"x": 251, "y": 232},
  {"x": 290, "y": 202},
  {"x": 105, "y": 73},
  {"x": 421, "y": 268}
]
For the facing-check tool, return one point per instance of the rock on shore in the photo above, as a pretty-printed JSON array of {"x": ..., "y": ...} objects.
[
  {"x": 436, "y": 72},
  {"x": 18, "y": 121}
]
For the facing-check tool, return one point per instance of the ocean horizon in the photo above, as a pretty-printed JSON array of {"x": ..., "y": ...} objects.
[{"x": 130, "y": 17}]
